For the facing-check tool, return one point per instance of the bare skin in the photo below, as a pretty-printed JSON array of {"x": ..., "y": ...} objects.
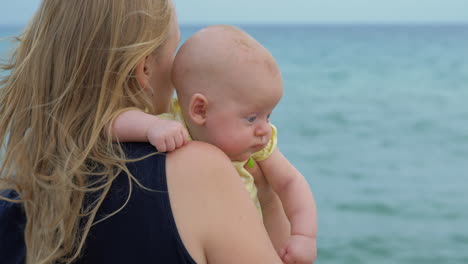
[
  {"x": 274, "y": 218},
  {"x": 227, "y": 229}
]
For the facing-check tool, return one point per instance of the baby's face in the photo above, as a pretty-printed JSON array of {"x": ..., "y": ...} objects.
[{"x": 239, "y": 125}]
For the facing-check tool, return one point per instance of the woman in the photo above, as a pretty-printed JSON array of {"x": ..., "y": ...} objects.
[{"x": 78, "y": 197}]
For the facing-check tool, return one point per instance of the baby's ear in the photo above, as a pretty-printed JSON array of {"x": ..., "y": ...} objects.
[{"x": 197, "y": 108}]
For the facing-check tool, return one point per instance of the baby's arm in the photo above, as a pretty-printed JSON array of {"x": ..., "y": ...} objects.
[
  {"x": 274, "y": 219},
  {"x": 299, "y": 206},
  {"x": 137, "y": 126}
]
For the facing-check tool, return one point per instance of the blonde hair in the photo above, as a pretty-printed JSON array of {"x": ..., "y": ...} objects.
[{"x": 69, "y": 76}]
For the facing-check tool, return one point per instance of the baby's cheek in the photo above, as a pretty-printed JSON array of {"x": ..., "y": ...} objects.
[
  {"x": 230, "y": 148},
  {"x": 220, "y": 141},
  {"x": 233, "y": 142}
]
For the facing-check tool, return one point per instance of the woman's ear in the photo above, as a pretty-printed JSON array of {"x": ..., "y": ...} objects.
[
  {"x": 198, "y": 108},
  {"x": 143, "y": 74}
]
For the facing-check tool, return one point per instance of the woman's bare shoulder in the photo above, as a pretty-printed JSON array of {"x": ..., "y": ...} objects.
[
  {"x": 213, "y": 212},
  {"x": 201, "y": 162},
  {"x": 196, "y": 151}
]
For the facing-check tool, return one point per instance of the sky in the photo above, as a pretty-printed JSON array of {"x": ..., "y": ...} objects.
[{"x": 18, "y": 12}]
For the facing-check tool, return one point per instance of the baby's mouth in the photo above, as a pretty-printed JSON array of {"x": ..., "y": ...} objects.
[
  {"x": 259, "y": 147},
  {"x": 262, "y": 144}
]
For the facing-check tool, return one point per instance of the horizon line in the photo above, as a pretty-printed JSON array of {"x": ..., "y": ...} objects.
[
  {"x": 319, "y": 23},
  {"x": 307, "y": 23}
]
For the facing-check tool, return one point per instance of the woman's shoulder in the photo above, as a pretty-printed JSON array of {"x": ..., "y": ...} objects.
[
  {"x": 212, "y": 210},
  {"x": 198, "y": 154},
  {"x": 202, "y": 164}
]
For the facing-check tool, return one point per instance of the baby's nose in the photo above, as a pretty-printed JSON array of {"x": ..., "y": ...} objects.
[{"x": 263, "y": 130}]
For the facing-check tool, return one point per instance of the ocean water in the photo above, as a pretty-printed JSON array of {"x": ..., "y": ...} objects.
[{"x": 376, "y": 118}]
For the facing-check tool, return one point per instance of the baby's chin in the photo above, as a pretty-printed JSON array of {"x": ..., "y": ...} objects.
[{"x": 239, "y": 157}]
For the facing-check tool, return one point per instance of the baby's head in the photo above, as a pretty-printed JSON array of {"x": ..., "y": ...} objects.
[{"x": 227, "y": 84}]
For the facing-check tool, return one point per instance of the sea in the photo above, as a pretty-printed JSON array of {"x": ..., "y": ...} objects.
[{"x": 376, "y": 118}]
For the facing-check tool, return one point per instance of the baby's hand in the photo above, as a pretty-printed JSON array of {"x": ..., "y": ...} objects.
[
  {"x": 299, "y": 249},
  {"x": 167, "y": 135}
]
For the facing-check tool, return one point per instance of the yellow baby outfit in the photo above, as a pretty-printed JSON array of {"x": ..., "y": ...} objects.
[{"x": 175, "y": 113}]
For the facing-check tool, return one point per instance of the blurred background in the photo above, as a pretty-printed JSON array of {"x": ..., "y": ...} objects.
[{"x": 374, "y": 115}]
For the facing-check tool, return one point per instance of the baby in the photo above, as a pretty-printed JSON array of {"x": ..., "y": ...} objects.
[{"x": 227, "y": 86}]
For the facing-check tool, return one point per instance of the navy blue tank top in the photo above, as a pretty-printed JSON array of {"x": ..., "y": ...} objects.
[{"x": 144, "y": 231}]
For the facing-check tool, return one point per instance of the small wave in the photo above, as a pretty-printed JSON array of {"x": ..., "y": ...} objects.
[
  {"x": 338, "y": 76},
  {"x": 338, "y": 118},
  {"x": 372, "y": 245},
  {"x": 460, "y": 239},
  {"x": 375, "y": 208},
  {"x": 423, "y": 125}
]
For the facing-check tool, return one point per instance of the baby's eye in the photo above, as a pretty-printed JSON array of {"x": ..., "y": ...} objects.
[
  {"x": 268, "y": 116},
  {"x": 251, "y": 119}
]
